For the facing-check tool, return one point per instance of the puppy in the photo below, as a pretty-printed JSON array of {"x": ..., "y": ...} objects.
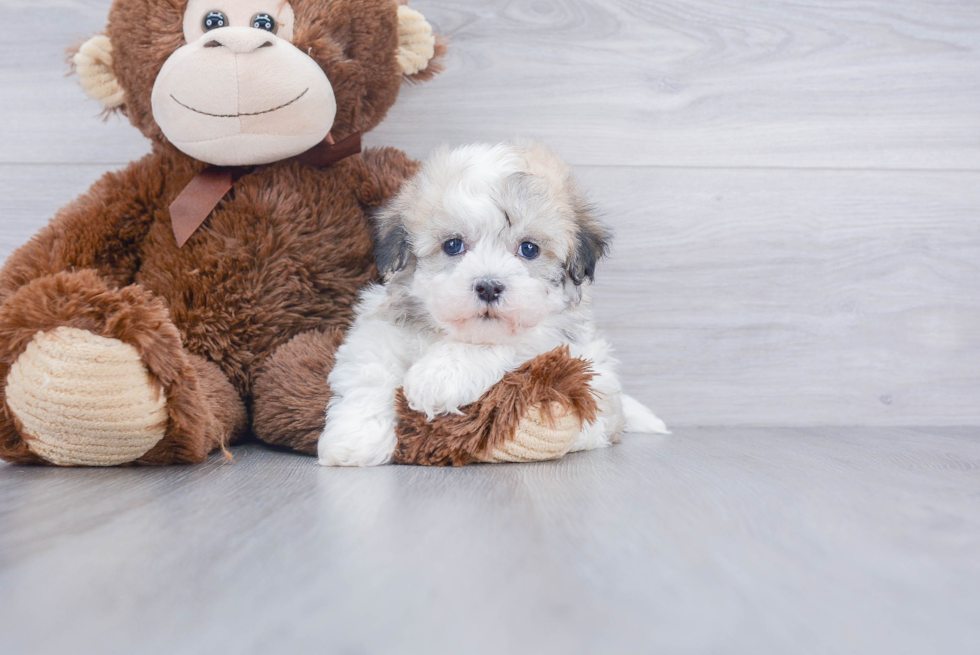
[{"x": 485, "y": 253}]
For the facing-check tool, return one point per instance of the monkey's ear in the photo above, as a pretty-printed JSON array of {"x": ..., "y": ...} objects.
[
  {"x": 93, "y": 63},
  {"x": 591, "y": 244},
  {"x": 419, "y": 49},
  {"x": 392, "y": 249}
]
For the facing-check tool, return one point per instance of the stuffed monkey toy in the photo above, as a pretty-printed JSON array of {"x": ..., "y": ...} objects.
[{"x": 199, "y": 294}]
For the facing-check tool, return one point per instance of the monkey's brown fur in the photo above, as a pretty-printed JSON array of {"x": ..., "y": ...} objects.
[
  {"x": 238, "y": 329},
  {"x": 244, "y": 319},
  {"x": 554, "y": 378}
]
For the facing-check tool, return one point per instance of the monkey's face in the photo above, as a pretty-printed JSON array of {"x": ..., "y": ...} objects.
[
  {"x": 239, "y": 92},
  {"x": 244, "y": 82}
]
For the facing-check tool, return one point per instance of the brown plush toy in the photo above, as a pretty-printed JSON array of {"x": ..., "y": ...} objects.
[
  {"x": 535, "y": 413},
  {"x": 200, "y": 293}
]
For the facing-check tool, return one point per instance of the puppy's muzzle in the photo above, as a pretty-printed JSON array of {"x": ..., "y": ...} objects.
[{"x": 489, "y": 291}]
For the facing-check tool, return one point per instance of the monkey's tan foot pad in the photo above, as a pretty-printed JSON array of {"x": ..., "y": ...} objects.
[
  {"x": 537, "y": 439},
  {"x": 85, "y": 400},
  {"x": 534, "y": 414}
]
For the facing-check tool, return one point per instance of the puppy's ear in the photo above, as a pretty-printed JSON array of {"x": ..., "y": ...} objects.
[
  {"x": 591, "y": 244},
  {"x": 392, "y": 248}
]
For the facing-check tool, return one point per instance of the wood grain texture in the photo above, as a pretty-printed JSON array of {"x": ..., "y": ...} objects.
[
  {"x": 781, "y": 297},
  {"x": 716, "y": 541},
  {"x": 882, "y": 84},
  {"x": 748, "y": 297},
  {"x": 31, "y": 195}
]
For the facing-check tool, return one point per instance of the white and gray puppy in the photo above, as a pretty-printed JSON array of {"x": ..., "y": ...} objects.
[{"x": 486, "y": 253}]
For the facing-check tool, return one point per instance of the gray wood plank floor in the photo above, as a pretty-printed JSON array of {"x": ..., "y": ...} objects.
[{"x": 709, "y": 541}]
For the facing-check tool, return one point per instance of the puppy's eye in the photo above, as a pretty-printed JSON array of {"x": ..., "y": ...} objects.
[
  {"x": 214, "y": 20},
  {"x": 264, "y": 22},
  {"x": 454, "y": 247},
  {"x": 529, "y": 250}
]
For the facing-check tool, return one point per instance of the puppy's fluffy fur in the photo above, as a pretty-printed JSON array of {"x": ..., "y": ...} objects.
[{"x": 447, "y": 327}]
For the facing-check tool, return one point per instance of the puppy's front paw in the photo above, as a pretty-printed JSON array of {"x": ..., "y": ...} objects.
[
  {"x": 363, "y": 448},
  {"x": 353, "y": 437},
  {"x": 435, "y": 388}
]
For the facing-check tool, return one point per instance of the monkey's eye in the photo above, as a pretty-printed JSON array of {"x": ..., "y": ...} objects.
[
  {"x": 214, "y": 20},
  {"x": 529, "y": 250},
  {"x": 454, "y": 247},
  {"x": 264, "y": 22}
]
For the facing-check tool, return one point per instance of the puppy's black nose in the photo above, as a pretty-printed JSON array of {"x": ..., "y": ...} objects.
[{"x": 489, "y": 290}]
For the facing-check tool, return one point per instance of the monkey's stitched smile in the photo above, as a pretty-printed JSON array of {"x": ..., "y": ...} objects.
[{"x": 257, "y": 113}]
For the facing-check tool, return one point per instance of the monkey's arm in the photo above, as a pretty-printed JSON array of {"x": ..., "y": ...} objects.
[
  {"x": 535, "y": 413},
  {"x": 101, "y": 230}
]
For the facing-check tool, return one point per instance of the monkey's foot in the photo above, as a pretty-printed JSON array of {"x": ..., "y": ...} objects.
[
  {"x": 537, "y": 439},
  {"x": 85, "y": 400},
  {"x": 533, "y": 414}
]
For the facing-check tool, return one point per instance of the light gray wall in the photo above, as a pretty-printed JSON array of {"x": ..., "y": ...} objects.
[{"x": 795, "y": 186}]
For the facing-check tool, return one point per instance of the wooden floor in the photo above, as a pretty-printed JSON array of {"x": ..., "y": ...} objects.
[
  {"x": 795, "y": 188},
  {"x": 711, "y": 540}
]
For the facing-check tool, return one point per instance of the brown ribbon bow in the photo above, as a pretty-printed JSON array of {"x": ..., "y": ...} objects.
[{"x": 199, "y": 198}]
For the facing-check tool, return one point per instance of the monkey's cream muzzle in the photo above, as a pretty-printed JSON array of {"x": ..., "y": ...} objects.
[
  {"x": 241, "y": 96},
  {"x": 237, "y": 95}
]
